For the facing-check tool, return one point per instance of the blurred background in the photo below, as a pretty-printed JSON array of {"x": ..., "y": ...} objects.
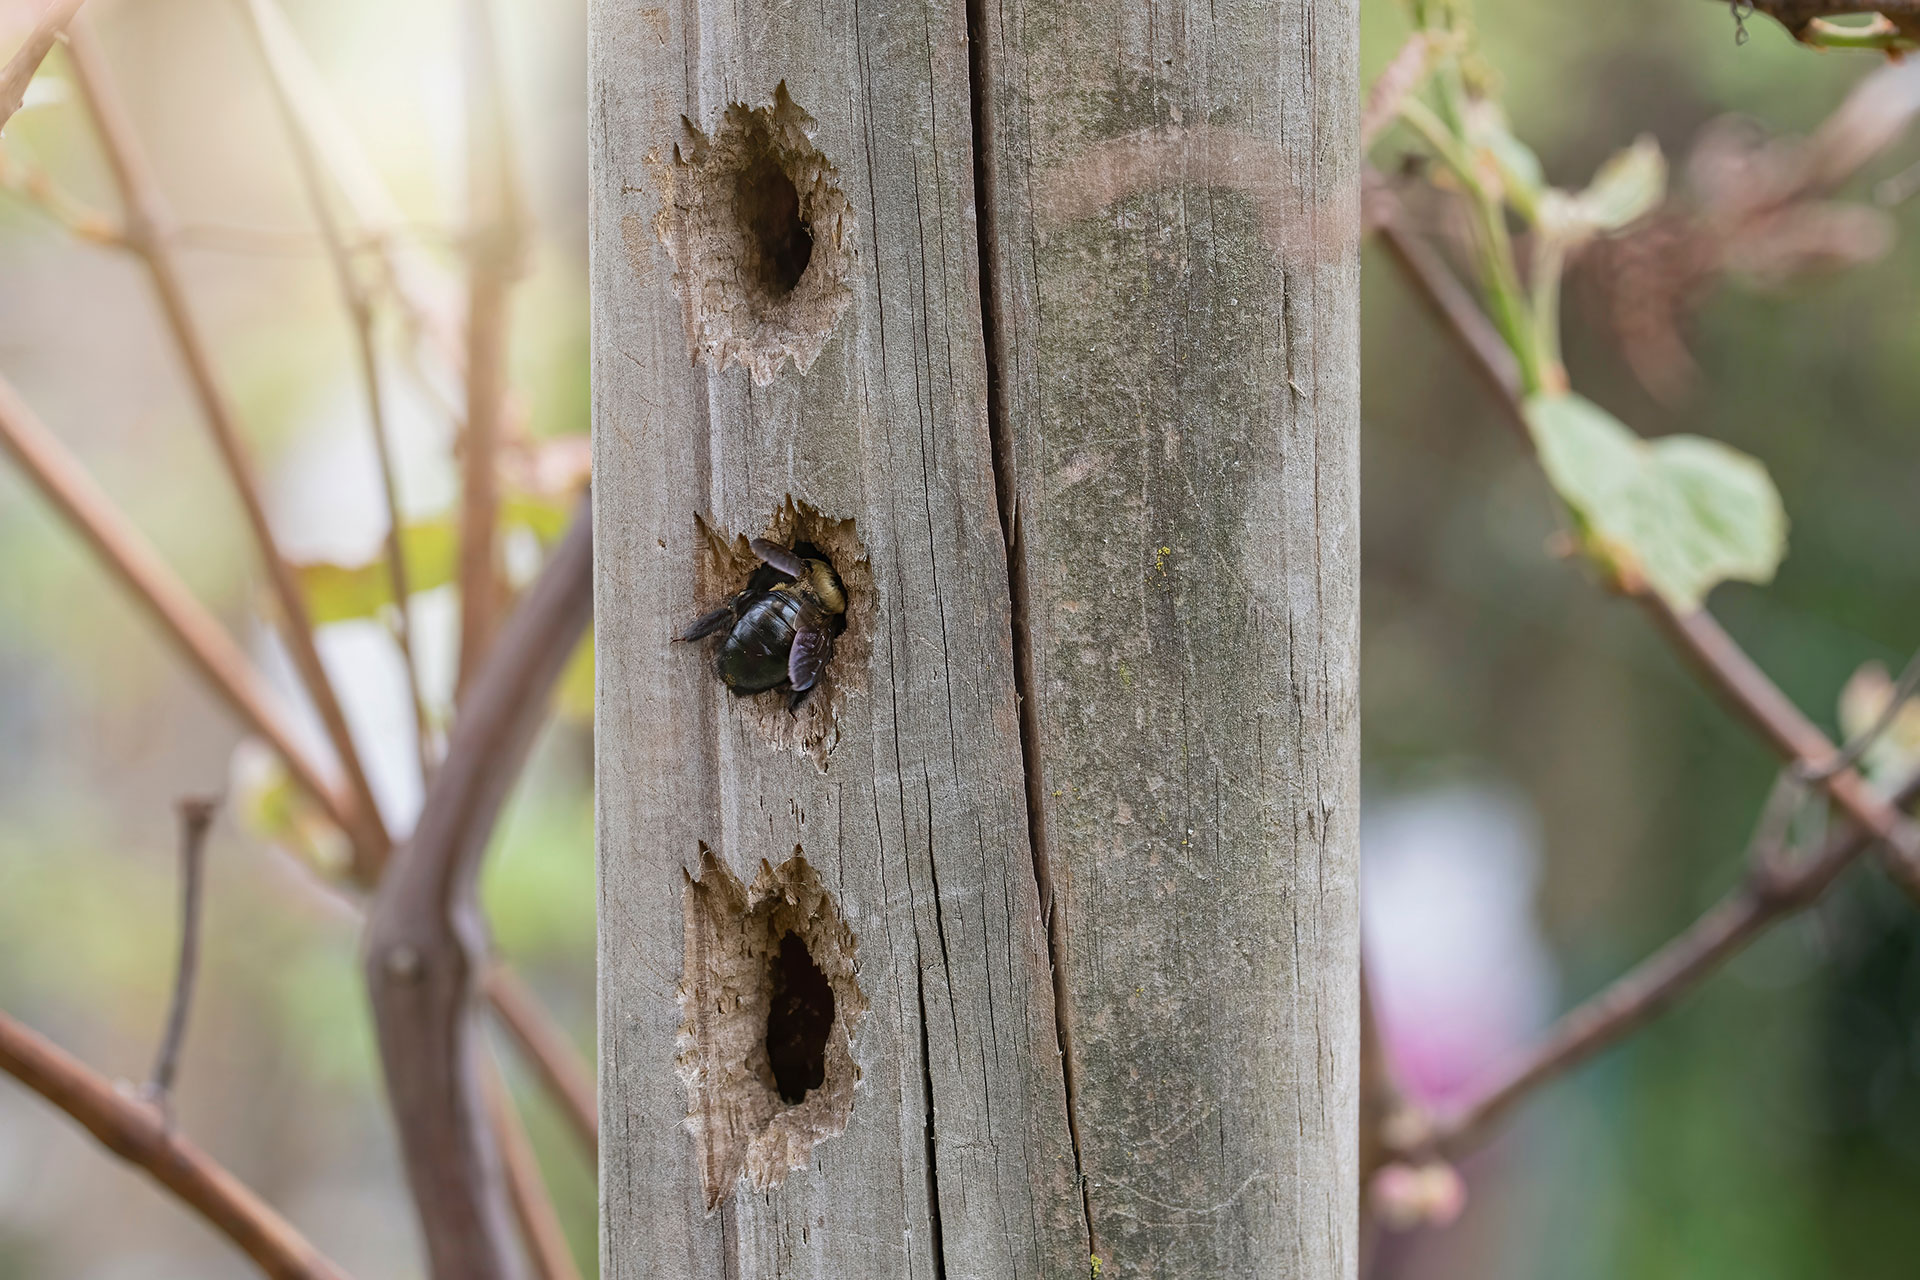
[{"x": 1548, "y": 793}]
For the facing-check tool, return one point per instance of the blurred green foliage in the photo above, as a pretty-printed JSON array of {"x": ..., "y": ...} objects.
[{"x": 1770, "y": 1126}]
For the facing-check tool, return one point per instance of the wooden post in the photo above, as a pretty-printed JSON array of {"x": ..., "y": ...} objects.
[{"x": 1083, "y": 285}]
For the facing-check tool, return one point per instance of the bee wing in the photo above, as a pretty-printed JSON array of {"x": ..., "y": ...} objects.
[
  {"x": 780, "y": 558},
  {"x": 808, "y": 657}
]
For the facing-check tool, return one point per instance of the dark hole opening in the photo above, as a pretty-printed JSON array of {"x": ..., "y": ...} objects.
[
  {"x": 779, "y": 239},
  {"x": 798, "y": 1020}
]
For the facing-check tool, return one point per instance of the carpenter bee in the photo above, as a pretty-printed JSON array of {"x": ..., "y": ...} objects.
[{"x": 779, "y": 631}]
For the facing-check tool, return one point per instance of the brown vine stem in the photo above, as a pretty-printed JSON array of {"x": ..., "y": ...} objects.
[
  {"x": 540, "y": 1226},
  {"x": 426, "y": 938},
  {"x": 1770, "y": 892},
  {"x": 1797, "y": 15},
  {"x": 226, "y": 667},
  {"x": 359, "y": 307},
  {"x": 138, "y": 1134},
  {"x": 1740, "y": 682},
  {"x": 493, "y": 263},
  {"x": 18, "y": 73},
  {"x": 149, "y": 229},
  {"x": 547, "y": 1050}
]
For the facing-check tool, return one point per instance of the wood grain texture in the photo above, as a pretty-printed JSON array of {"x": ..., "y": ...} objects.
[
  {"x": 957, "y": 1159},
  {"x": 1172, "y": 211}
]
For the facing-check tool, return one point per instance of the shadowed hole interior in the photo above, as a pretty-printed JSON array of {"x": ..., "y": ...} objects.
[
  {"x": 780, "y": 240},
  {"x": 798, "y": 1020}
]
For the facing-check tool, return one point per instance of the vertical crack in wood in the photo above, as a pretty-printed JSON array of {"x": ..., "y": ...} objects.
[
  {"x": 926, "y": 1093},
  {"x": 1000, "y": 434}
]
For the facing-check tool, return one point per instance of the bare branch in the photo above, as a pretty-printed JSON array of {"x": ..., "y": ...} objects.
[
  {"x": 35, "y": 187},
  {"x": 493, "y": 256},
  {"x": 18, "y": 73},
  {"x": 196, "y": 819},
  {"x": 1770, "y": 892},
  {"x": 140, "y": 569},
  {"x": 360, "y": 319},
  {"x": 533, "y": 1209},
  {"x": 426, "y": 939},
  {"x": 149, "y": 230},
  {"x": 137, "y": 1133},
  {"x": 1729, "y": 670},
  {"x": 568, "y": 1079},
  {"x": 1458, "y": 313}
]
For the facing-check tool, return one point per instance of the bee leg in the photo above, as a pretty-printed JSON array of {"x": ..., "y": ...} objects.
[
  {"x": 708, "y": 623},
  {"x": 795, "y": 698}
]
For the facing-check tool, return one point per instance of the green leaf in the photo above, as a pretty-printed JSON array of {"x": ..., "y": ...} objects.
[
  {"x": 1679, "y": 514},
  {"x": 546, "y": 514},
  {"x": 1628, "y": 187},
  {"x": 1894, "y": 753},
  {"x": 272, "y": 807},
  {"x": 341, "y": 592},
  {"x": 1519, "y": 170}
]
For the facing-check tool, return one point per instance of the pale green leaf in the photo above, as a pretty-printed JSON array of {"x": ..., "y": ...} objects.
[
  {"x": 1680, "y": 514},
  {"x": 272, "y": 807},
  {"x": 1513, "y": 161},
  {"x": 1628, "y": 187},
  {"x": 1894, "y": 751},
  {"x": 341, "y": 592}
]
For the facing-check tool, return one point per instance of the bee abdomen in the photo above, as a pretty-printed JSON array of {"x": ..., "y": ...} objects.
[{"x": 753, "y": 658}]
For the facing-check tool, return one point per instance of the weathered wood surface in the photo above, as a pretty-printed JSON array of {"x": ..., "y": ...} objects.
[
  {"x": 1171, "y": 278},
  {"x": 1174, "y": 289},
  {"x": 957, "y": 1161}
]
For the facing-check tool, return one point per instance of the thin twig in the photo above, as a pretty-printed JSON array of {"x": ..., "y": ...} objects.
[
  {"x": 360, "y": 319},
  {"x": 426, "y": 938},
  {"x": 35, "y": 187},
  {"x": 149, "y": 227},
  {"x": 18, "y": 73},
  {"x": 540, "y": 1229},
  {"x": 547, "y": 1049},
  {"x": 1727, "y": 668},
  {"x": 494, "y": 250},
  {"x": 1381, "y": 1098},
  {"x": 154, "y": 585},
  {"x": 1450, "y": 302},
  {"x": 137, "y": 1133},
  {"x": 1769, "y": 894},
  {"x": 196, "y": 819},
  {"x": 233, "y": 677}
]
